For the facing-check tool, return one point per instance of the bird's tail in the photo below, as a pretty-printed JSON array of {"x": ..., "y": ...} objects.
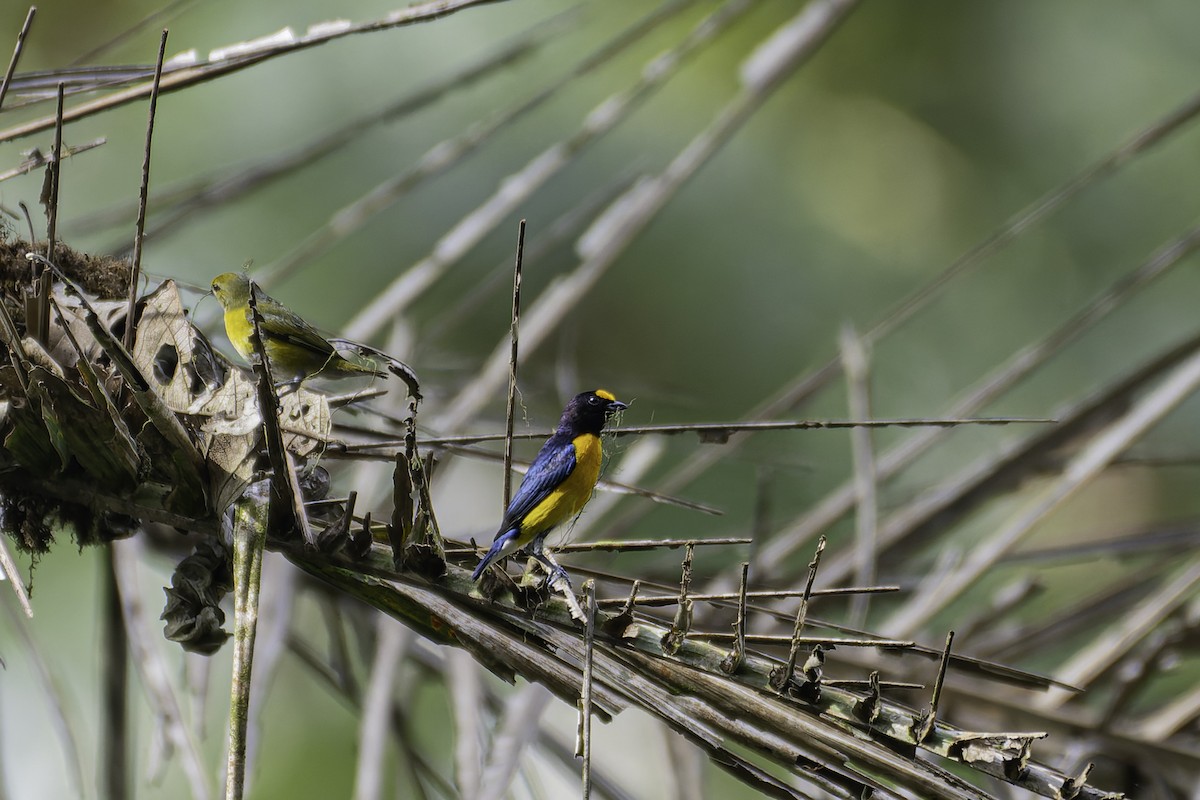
[
  {"x": 505, "y": 544},
  {"x": 394, "y": 365}
]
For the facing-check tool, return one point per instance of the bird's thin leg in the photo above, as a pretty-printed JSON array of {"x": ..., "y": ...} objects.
[{"x": 541, "y": 555}]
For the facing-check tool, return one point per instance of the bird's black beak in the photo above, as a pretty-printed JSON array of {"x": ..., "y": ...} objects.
[{"x": 615, "y": 406}]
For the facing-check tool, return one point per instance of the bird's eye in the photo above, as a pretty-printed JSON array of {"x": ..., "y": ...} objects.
[{"x": 594, "y": 400}]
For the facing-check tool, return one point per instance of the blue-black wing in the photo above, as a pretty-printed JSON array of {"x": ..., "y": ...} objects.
[{"x": 554, "y": 463}]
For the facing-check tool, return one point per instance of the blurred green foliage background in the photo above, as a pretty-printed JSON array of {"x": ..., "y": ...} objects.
[{"x": 910, "y": 137}]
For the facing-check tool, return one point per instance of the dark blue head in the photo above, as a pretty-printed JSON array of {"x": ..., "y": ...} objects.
[{"x": 588, "y": 411}]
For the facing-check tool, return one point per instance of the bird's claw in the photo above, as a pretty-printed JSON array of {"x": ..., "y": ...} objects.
[
  {"x": 554, "y": 571},
  {"x": 559, "y": 575}
]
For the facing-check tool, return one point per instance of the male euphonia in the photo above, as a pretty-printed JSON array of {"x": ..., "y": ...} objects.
[
  {"x": 559, "y": 482},
  {"x": 294, "y": 347}
]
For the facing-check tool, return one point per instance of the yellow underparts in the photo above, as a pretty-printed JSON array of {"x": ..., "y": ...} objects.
[
  {"x": 571, "y": 495},
  {"x": 238, "y": 328}
]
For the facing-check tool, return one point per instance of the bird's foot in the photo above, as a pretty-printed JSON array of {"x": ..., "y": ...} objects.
[
  {"x": 555, "y": 573},
  {"x": 558, "y": 581}
]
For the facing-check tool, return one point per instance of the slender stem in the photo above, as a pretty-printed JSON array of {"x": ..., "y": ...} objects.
[
  {"x": 511, "y": 411},
  {"x": 249, "y": 537},
  {"x": 584, "y": 749},
  {"x": 114, "y": 761},
  {"x": 143, "y": 194},
  {"x": 856, "y": 366},
  {"x": 16, "y": 56},
  {"x": 42, "y": 281}
]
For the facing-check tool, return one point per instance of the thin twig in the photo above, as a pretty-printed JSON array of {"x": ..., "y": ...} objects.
[
  {"x": 55, "y": 169},
  {"x": 38, "y": 86},
  {"x": 38, "y": 159},
  {"x": 719, "y": 431},
  {"x": 856, "y": 366},
  {"x": 674, "y": 638},
  {"x": 737, "y": 656},
  {"x": 172, "y": 9},
  {"x": 115, "y": 742},
  {"x": 391, "y": 449},
  {"x": 710, "y": 432},
  {"x": 9, "y": 567},
  {"x": 825, "y": 641},
  {"x": 143, "y": 194},
  {"x": 16, "y": 56},
  {"x": 248, "y": 54},
  {"x": 784, "y": 678},
  {"x": 511, "y": 409},
  {"x": 649, "y": 544},
  {"x": 376, "y": 718},
  {"x": 925, "y": 721},
  {"x": 287, "y": 507},
  {"x": 583, "y": 748},
  {"x": 1155, "y": 537},
  {"x": 657, "y": 601},
  {"x": 42, "y": 278}
]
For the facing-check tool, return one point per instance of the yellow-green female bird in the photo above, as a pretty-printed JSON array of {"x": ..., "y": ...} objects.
[
  {"x": 294, "y": 347},
  {"x": 559, "y": 482}
]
